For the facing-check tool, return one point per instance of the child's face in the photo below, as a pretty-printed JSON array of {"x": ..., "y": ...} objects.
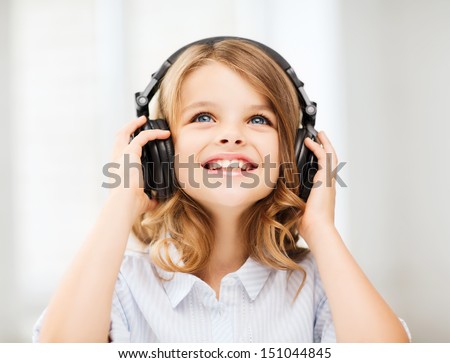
[{"x": 222, "y": 116}]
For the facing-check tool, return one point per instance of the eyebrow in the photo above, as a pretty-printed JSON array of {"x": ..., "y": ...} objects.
[
  {"x": 213, "y": 104},
  {"x": 198, "y": 105}
]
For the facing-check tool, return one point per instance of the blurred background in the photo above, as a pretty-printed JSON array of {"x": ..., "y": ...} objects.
[{"x": 378, "y": 69}]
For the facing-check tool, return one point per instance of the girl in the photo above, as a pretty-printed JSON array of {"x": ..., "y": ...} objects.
[{"x": 218, "y": 261}]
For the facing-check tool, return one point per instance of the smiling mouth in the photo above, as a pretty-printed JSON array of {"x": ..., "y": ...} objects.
[{"x": 230, "y": 165}]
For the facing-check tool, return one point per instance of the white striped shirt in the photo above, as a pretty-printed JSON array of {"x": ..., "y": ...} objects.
[{"x": 255, "y": 305}]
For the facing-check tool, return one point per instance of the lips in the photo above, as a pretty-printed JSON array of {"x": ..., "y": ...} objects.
[{"x": 229, "y": 162}]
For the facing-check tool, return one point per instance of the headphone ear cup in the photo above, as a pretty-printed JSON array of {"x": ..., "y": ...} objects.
[
  {"x": 167, "y": 155},
  {"x": 307, "y": 165},
  {"x": 157, "y": 163},
  {"x": 147, "y": 162}
]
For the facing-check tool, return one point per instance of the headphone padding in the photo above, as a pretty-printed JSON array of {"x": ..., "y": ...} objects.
[
  {"x": 147, "y": 163},
  {"x": 306, "y": 161},
  {"x": 155, "y": 161},
  {"x": 166, "y": 154}
]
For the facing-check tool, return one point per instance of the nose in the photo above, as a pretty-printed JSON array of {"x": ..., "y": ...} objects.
[
  {"x": 228, "y": 140},
  {"x": 231, "y": 135}
]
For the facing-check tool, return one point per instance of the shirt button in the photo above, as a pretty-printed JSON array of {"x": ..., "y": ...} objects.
[
  {"x": 221, "y": 310},
  {"x": 209, "y": 299}
]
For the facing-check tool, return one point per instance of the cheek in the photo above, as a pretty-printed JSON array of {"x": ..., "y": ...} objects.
[
  {"x": 274, "y": 172},
  {"x": 269, "y": 172},
  {"x": 187, "y": 167},
  {"x": 181, "y": 159},
  {"x": 272, "y": 157},
  {"x": 184, "y": 146}
]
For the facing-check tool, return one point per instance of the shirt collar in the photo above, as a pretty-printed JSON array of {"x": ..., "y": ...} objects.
[
  {"x": 253, "y": 276},
  {"x": 178, "y": 285}
]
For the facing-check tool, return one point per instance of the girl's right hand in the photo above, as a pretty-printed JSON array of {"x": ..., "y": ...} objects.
[{"x": 128, "y": 154}]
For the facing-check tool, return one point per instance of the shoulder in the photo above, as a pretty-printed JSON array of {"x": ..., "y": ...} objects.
[
  {"x": 308, "y": 262},
  {"x": 311, "y": 278},
  {"x": 136, "y": 269},
  {"x": 307, "y": 276},
  {"x": 136, "y": 257},
  {"x": 309, "y": 265},
  {"x": 314, "y": 291}
]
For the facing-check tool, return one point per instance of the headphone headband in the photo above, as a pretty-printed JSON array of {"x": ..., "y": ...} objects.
[{"x": 308, "y": 107}]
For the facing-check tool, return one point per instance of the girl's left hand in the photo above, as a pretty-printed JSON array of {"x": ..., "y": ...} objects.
[{"x": 319, "y": 212}]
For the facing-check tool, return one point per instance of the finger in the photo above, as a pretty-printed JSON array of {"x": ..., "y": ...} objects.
[
  {"x": 136, "y": 145},
  {"x": 123, "y": 135},
  {"x": 322, "y": 152},
  {"x": 132, "y": 126},
  {"x": 326, "y": 142},
  {"x": 327, "y": 146},
  {"x": 151, "y": 204},
  {"x": 315, "y": 147}
]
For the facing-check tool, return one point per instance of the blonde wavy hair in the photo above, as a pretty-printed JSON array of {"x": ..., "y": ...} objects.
[{"x": 270, "y": 225}]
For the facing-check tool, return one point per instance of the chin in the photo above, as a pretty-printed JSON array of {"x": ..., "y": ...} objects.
[{"x": 228, "y": 197}]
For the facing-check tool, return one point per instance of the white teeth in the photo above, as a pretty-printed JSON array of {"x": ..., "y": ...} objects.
[
  {"x": 224, "y": 163},
  {"x": 235, "y": 163},
  {"x": 228, "y": 163}
]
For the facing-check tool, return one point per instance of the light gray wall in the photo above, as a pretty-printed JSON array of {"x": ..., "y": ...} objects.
[
  {"x": 7, "y": 280},
  {"x": 397, "y": 56}
]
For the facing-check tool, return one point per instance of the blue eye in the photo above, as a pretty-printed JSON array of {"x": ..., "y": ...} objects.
[
  {"x": 203, "y": 117},
  {"x": 260, "y": 120}
]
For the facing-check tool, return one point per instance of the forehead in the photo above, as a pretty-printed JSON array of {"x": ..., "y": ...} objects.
[{"x": 217, "y": 82}]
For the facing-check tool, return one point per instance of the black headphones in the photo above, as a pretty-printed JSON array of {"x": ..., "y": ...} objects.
[{"x": 158, "y": 155}]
